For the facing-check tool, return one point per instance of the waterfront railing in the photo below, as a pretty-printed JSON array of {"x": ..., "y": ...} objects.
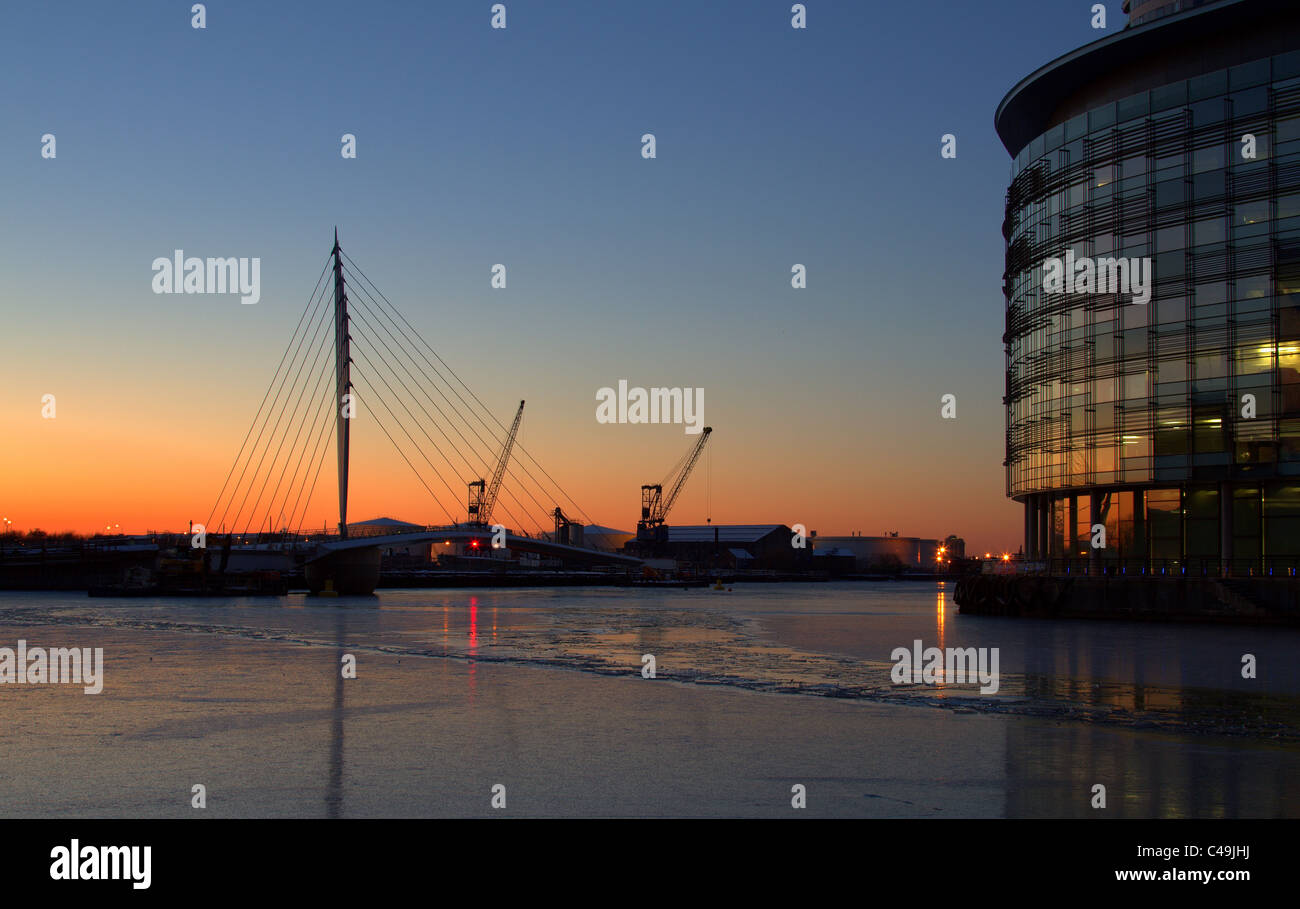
[{"x": 1281, "y": 567}]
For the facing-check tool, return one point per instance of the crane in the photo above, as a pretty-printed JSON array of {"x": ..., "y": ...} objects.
[
  {"x": 483, "y": 497},
  {"x": 567, "y": 530},
  {"x": 655, "y": 505}
]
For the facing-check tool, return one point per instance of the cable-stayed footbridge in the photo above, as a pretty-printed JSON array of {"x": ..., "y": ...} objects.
[{"x": 443, "y": 432}]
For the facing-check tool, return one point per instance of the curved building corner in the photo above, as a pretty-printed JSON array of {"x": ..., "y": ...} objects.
[{"x": 1172, "y": 422}]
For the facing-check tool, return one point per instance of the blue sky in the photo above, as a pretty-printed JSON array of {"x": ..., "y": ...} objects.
[{"x": 522, "y": 146}]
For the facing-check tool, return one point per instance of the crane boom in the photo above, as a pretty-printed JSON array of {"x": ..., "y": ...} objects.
[
  {"x": 686, "y": 472},
  {"x": 490, "y": 497},
  {"x": 655, "y": 505}
]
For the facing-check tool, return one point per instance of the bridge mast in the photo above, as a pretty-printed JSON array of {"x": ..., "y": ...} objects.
[{"x": 342, "y": 381}]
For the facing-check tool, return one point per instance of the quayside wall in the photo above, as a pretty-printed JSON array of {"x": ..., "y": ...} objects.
[{"x": 1246, "y": 601}]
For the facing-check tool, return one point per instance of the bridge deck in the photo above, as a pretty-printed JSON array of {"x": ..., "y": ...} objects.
[{"x": 465, "y": 535}]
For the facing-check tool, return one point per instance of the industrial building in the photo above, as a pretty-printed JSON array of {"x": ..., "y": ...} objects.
[
  {"x": 767, "y": 547},
  {"x": 1175, "y": 422},
  {"x": 382, "y": 527},
  {"x": 892, "y": 551},
  {"x": 605, "y": 538}
]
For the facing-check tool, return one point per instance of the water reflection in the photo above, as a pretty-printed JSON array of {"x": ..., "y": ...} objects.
[
  {"x": 1081, "y": 703},
  {"x": 334, "y": 783},
  {"x": 939, "y": 611},
  {"x": 1051, "y": 769},
  {"x": 473, "y": 645}
]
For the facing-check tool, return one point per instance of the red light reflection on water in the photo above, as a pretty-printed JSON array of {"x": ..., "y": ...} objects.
[
  {"x": 473, "y": 625},
  {"x": 473, "y": 643}
]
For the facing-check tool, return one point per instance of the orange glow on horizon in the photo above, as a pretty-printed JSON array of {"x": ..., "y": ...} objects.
[{"x": 103, "y": 467}]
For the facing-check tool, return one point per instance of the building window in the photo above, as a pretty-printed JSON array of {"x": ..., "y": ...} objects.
[
  {"x": 1165, "y": 523},
  {"x": 1282, "y": 519},
  {"x": 1201, "y": 523}
]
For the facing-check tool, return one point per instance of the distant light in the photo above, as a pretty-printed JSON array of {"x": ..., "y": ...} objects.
[{"x": 1005, "y": 557}]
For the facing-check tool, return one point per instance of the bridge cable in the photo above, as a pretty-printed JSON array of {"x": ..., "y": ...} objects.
[
  {"x": 319, "y": 347},
  {"x": 319, "y": 464},
  {"x": 364, "y": 324},
  {"x": 565, "y": 495},
  {"x": 324, "y": 335},
  {"x": 496, "y": 444},
  {"x": 310, "y": 301},
  {"x": 414, "y": 381},
  {"x": 318, "y": 393},
  {"x": 402, "y": 426},
  {"x": 309, "y": 332},
  {"x": 408, "y": 460},
  {"x": 509, "y": 470},
  {"x": 477, "y": 416},
  {"x": 312, "y": 446}
]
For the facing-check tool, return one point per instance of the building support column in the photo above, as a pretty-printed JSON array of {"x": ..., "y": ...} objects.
[
  {"x": 1140, "y": 528},
  {"x": 1031, "y": 528},
  {"x": 1225, "y": 529},
  {"x": 1044, "y": 525},
  {"x": 1071, "y": 540},
  {"x": 1034, "y": 503},
  {"x": 1094, "y": 518}
]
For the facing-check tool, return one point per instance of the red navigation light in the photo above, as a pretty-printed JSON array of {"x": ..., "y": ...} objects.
[{"x": 473, "y": 544}]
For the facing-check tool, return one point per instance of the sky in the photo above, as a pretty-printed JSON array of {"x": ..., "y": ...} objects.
[{"x": 522, "y": 146}]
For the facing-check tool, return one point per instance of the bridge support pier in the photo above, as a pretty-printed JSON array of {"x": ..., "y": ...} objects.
[{"x": 352, "y": 572}]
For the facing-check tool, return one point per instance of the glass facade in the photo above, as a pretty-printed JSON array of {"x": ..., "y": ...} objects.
[
  {"x": 1144, "y": 11},
  {"x": 1175, "y": 423}
]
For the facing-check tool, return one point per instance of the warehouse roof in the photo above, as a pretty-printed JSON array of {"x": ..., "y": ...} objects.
[
  {"x": 726, "y": 533},
  {"x": 386, "y": 524}
]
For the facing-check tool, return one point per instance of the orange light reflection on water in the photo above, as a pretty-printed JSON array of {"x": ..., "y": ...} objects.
[
  {"x": 940, "y": 611},
  {"x": 473, "y": 644}
]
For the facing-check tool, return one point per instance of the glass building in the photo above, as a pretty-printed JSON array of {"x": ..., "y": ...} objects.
[{"x": 1174, "y": 424}]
